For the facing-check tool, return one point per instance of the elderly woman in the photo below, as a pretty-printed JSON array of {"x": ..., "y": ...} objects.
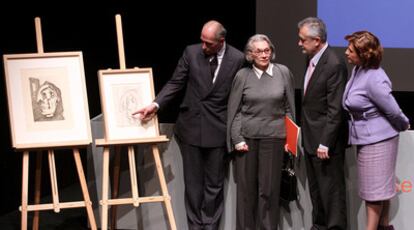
[
  {"x": 261, "y": 96},
  {"x": 375, "y": 123}
]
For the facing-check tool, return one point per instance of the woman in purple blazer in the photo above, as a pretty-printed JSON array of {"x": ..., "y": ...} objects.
[{"x": 374, "y": 126}]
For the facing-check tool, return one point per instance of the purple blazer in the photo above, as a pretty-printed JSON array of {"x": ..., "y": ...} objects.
[{"x": 374, "y": 113}]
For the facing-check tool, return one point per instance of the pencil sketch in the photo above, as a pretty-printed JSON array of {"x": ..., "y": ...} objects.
[
  {"x": 127, "y": 99},
  {"x": 123, "y": 93},
  {"x": 46, "y": 98}
]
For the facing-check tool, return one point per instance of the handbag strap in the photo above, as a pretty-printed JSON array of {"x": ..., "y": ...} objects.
[{"x": 290, "y": 162}]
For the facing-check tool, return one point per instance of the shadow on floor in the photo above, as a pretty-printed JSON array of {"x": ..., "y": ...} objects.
[{"x": 67, "y": 219}]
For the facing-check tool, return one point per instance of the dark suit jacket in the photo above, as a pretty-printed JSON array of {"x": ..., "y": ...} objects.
[
  {"x": 323, "y": 119},
  {"x": 203, "y": 112}
]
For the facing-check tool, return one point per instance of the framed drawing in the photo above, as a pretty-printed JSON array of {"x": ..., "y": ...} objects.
[
  {"x": 47, "y": 100},
  {"x": 122, "y": 93}
]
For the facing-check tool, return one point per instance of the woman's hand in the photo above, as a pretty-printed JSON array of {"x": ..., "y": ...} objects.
[{"x": 242, "y": 147}]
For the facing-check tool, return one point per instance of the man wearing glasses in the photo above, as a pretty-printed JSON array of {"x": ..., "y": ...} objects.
[{"x": 324, "y": 128}]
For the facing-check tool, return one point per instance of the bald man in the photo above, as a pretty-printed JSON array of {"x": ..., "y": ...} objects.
[{"x": 205, "y": 71}]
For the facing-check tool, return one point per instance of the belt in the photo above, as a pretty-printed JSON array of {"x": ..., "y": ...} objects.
[{"x": 363, "y": 116}]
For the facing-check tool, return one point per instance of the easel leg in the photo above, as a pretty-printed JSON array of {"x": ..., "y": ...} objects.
[
  {"x": 115, "y": 185},
  {"x": 84, "y": 186},
  {"x": 38, "y": 180},
  {"x": 105, "y": 181},
  {"x": 164, "y": 188},
  {"x": 25, "y": 188},
  {"x": 133, "y": 175},
  {"x": 53, "y": 181}
]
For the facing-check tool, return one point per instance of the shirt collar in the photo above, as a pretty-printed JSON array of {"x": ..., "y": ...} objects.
[
  {"x": 318, "y": 55},
  {"x": 259, "y": 72},
  {"x": 220, "y": 53}
]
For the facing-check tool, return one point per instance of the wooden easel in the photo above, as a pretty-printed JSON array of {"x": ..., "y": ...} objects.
[
  {"x": 56, "y": 205},
  {"x": 135, "y": 199}
]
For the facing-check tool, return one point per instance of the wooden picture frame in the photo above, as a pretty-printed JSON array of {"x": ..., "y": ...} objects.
[
  {"x": 47, "y": 100},
  {"x": 122, "y": 93}
]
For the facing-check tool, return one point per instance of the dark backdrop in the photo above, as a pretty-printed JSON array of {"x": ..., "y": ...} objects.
[{"x": 155, "y": 34}]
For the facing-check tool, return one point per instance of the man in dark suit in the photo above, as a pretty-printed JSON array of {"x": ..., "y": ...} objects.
[
  {"x": 324, "y": 129},
  {"x": 205, "y": 71}
]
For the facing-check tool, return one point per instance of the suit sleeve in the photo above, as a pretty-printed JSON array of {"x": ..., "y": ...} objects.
[
  {"x": 380, "y": 93},
  {"x": 177, "y": 82},
  {"x": 289, "y": 103},
  {"x": 335, "y": 86},
  {"x": 233, "y": 111},
  {"x": 290, "y": 95}
]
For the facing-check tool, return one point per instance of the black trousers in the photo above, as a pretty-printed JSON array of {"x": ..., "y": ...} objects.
[
  {"x": 204, "y": 172},
  {"x": 327, "y": 191},
  {"x": 258, "y": 175}
]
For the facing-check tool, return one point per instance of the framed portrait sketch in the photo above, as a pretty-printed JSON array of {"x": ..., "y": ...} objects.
[
  {"x": 47, "y": 100},
  {"x": 122, "y": 93}
]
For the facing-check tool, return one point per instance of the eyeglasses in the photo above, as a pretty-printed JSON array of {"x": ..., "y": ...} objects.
[
  {"x": 260, "y": 52},
  {"x": 303, "y": 40}
]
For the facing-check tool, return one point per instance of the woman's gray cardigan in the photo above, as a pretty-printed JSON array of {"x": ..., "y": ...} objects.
[{"x": 237, "y": 90}]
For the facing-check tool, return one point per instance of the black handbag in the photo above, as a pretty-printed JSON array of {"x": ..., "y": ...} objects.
[{"x": 288, "y": 184}]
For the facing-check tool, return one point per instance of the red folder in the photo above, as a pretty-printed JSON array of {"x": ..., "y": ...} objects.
[{"x": 292, "y": 135}]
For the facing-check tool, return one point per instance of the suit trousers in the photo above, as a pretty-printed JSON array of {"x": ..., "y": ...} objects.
[
  {"x": 327, "y": 189},
  {"x": 258, "y": 175},
  {"x": 204, "y": 172}
]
